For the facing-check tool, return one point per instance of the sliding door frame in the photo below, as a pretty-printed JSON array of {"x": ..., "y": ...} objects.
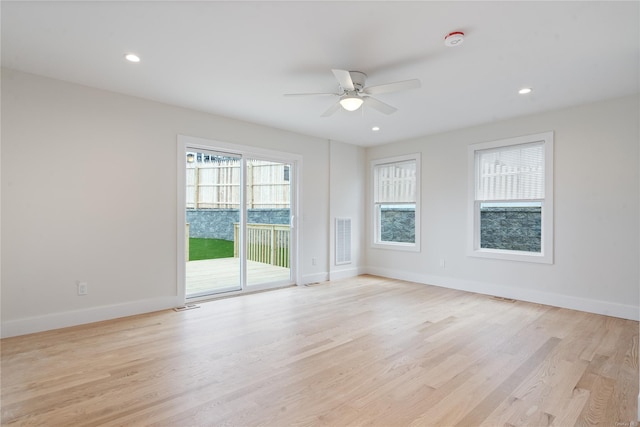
[{"x": 186, "y": 143}]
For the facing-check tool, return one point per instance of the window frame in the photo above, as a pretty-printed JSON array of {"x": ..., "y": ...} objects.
[
  {"x": 375, "y": 217},
  {"x": 546, "y": 245}
]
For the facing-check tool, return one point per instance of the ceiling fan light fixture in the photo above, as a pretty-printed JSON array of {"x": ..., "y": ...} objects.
[{"x": 351, "y": 102}]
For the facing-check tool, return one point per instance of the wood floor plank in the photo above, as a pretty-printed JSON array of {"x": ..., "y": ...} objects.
[
  {"x": 573, "y": 407},
  {"x": 491, "y": 401},
  {"x": 360, "y": 351}
]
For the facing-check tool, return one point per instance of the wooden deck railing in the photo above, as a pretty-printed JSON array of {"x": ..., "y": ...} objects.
[{"x": 266, "y": 243}]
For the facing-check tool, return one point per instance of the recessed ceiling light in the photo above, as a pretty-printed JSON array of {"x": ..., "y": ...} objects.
[
  {"x": 524, "y": 90},
  {"x": 375, "y": 128},
  {"x": 132, "y": 57}
]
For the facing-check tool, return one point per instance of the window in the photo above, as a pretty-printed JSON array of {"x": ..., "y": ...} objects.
[
  {"x": 396, "y": 207},
  {"x": 511, "y": 199}
]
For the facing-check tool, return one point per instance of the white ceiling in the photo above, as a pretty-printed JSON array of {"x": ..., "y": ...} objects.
[{"x": 237, "y": 59}]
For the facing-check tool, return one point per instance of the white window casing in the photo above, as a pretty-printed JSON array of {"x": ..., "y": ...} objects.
[
  {"x": 509, "y": 174},
  {"x": 396, "y": 188}
]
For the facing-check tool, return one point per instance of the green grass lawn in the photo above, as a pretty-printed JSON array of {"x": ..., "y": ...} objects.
[{"x": 209, "y": 248}]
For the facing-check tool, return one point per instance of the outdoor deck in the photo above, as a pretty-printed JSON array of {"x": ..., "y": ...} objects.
[{"x": 224, "y": 273}]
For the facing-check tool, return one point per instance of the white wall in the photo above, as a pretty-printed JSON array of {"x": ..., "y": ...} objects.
[
  {"x": 97, "y": 202},
  {"x": 347, "y": 200},
  {"x": 596, "y": 212},
  {"x": 117, "y": 230}
]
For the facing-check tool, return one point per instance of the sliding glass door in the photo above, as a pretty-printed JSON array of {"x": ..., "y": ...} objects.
[
  {"x": 212, "y": 214},
  {"x": 238, "y": 222},
  {"x": 268, "y": 228}
]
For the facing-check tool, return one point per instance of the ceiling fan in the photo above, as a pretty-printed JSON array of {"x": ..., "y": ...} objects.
[{"x": 353, "y": 93}]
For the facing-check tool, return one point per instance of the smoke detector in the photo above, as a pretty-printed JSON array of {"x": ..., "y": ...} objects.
[{"x": 454, "y": 39}]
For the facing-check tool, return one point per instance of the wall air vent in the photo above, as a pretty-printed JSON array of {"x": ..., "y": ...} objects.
[{"x": 343, "y": 241}]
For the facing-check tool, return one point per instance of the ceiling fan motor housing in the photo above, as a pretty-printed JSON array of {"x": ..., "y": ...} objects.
[{"x": 358, "y": 78}]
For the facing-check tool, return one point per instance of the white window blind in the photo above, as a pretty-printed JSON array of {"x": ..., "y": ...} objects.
[
  {"x": 395, "y": 182},
  {"x": 510, "y": 173}
]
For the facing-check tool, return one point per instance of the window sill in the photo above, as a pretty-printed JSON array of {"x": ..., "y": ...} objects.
[
  {"x": 406, "y": 247},
  {"x": 512, "y": 255}
]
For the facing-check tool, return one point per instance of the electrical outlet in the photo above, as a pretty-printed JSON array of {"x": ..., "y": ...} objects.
[
  {"x": 83, "y": 288},
  {"x": 313, "y": 261},
  {"x": 442, "y": 262}
]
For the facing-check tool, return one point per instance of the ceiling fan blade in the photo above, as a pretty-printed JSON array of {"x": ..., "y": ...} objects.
[
  {"x": 311, "y": 94},
  {"x": 344, "y": 79},
  {"x": 335, "y": 107},
  {"x": 379, "y": 105},
  {"x": 392, "y": 87}
]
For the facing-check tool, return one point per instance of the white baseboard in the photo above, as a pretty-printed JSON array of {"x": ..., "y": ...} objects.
[
  {"x": 47, "y": 322},
  {"x": 623, "y": 311},
  {"x": 29, "y": 325},
  {"x": 344, "y": 273},
  {"x": 315, "y": 278}
]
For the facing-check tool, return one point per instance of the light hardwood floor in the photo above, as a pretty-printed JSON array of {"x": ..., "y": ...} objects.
[{"x": 360, "y": 351}]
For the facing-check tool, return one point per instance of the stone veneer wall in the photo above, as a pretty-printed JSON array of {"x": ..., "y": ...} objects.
[
  {"x": 218, "y": 223},
  {"x": 517, "y": 229},
  {"x": 398, "y": 225},
  {"x": 511, "y": 228}
]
